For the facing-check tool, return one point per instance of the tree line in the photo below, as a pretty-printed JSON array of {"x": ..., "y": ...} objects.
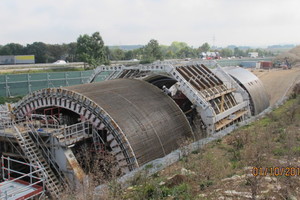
[{"x": 92, "y": 50}]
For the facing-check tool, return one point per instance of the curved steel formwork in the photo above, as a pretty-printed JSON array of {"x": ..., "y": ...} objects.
[
  {"x": 218, "y": 99},
  {"x": 142, "y": 123},
  {"x": 259, "y": 99}
]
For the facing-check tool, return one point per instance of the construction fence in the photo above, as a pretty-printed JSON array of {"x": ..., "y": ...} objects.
[{"x": 22, "y": 84}]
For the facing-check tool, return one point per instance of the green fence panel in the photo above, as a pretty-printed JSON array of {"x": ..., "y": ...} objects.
[
  {"x": 39, "y": 76},
  {"x": 57, "y": 75},
  {"x": 2, "y": 78},
  {"x": 75, "y": 82},
  {"x": 22, "y": 84},
  {"x": 37, "y": 85},
  {"x": 58, "y": 83},
  {"x": 3, "y": 90},
  {"x": 87, "y": 73},
  {"x": 73, "y": 74},
  {"x": 100, "y": 78},
  {"x": 18, "y": 88},
  {"x": 17, "y": 77}
]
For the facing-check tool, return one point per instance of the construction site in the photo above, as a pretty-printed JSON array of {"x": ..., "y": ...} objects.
[{"x": 136, "y": 115}]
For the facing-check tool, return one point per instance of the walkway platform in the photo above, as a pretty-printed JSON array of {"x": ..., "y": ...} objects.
[{"x": 17, "y": 189}]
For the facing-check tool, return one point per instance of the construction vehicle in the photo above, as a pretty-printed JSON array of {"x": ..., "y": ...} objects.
[{"x": 286, "y": 64}]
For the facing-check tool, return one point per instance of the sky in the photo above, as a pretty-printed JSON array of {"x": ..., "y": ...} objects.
[{"x": 131, "y": 22}]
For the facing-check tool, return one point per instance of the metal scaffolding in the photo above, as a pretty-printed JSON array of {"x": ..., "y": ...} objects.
[{"x": 19, "y": 185}]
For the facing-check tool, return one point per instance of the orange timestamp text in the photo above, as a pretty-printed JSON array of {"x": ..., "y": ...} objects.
[{"x": 276, "y": 171}]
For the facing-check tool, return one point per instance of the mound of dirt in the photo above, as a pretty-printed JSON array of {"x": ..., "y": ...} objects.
[{"x": 293, "y": 56}]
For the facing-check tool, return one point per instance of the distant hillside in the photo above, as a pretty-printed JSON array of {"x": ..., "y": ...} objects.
[
  {"x": 240, "y": 47},
  {"x": 287, "y": 46},
  {"x": 293, "y": 55},
  {"x": 126, "y": 47}
]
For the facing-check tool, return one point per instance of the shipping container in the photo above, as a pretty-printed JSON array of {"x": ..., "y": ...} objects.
[{"x": 266, "y": 64}]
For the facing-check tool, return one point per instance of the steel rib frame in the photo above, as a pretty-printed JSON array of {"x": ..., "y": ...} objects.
[{"x": 87, "y": 108}]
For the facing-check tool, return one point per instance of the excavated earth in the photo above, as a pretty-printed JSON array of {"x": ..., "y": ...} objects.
[{"x": 278, "y": 82}]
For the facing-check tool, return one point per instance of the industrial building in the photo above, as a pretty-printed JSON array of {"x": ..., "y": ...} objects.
[{"x": 139, "y": 113}]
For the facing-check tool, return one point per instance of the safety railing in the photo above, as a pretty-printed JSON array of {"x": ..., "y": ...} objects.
[
  {"x": 73, "y": 132},
  {"x": 32, "y": 181},
  {"x": 44, "y": 121}
]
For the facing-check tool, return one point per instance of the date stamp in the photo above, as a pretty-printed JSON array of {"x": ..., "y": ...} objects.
[{"x": 276, "y": 171}]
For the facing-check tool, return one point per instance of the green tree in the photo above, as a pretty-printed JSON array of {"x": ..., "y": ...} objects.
[
  {"x": 129, "y": 55},
  {"x": 12, "y": 49},
  {"x": 152, "y": 52},
  {"x": 187, "y": 52},
  {"x": 57, "y": 52},
  {"x": 91, "y": 49},
  {"x": 238, "y": 52},
  {"x": 204, "y": 47},
  {"x": 71, "y": 52},
  {"x": 177, "y": 46},
  {"x": 116, "y": 54},
  {"x": 39, "y": 50},
  {"x": 226, "y": 52}
]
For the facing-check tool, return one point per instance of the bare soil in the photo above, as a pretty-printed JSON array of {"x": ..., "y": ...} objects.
[{"x": 278, "y": 82}]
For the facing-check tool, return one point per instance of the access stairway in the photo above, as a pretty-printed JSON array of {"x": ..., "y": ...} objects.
[{"x": 34, "y": 152}]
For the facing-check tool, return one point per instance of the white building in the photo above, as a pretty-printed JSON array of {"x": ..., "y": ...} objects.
[{"x": 253, "y": 54}]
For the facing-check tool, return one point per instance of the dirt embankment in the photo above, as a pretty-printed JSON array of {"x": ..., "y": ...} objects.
[{"x": 278, "y": 82}]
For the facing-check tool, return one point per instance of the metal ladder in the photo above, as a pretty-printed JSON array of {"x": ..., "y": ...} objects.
[{"x": 35, "y": 156}]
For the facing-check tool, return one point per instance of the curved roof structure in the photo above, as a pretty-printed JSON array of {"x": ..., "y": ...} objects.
[
  {"x": 142, "y": 122},
  {"x": 254, "y": 87}
]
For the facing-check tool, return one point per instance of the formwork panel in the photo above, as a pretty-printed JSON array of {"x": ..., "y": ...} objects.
[
  {"x": 151, "y": 121},
  {"x": 259, "y": 98}
]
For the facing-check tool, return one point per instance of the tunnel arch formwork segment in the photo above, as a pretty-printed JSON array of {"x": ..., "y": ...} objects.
[
  {"x": 142, "y": 122},
  {"x": 251, "y": 83},
  {"x": 218, "y": 98}
]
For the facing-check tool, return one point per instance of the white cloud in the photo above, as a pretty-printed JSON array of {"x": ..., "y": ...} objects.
[{"x": 243, "y": 22}]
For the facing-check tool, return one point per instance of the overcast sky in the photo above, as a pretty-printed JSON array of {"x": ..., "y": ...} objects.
[{"x": 121, "y": 22}]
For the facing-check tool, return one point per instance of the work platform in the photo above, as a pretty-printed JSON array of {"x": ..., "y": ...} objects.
[
  {"x": 16, "y": 188},
  {"x": 41, "y": 143}
]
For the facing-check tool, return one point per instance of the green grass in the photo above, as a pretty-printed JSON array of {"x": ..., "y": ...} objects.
[{"x": 4, "y": 100}]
